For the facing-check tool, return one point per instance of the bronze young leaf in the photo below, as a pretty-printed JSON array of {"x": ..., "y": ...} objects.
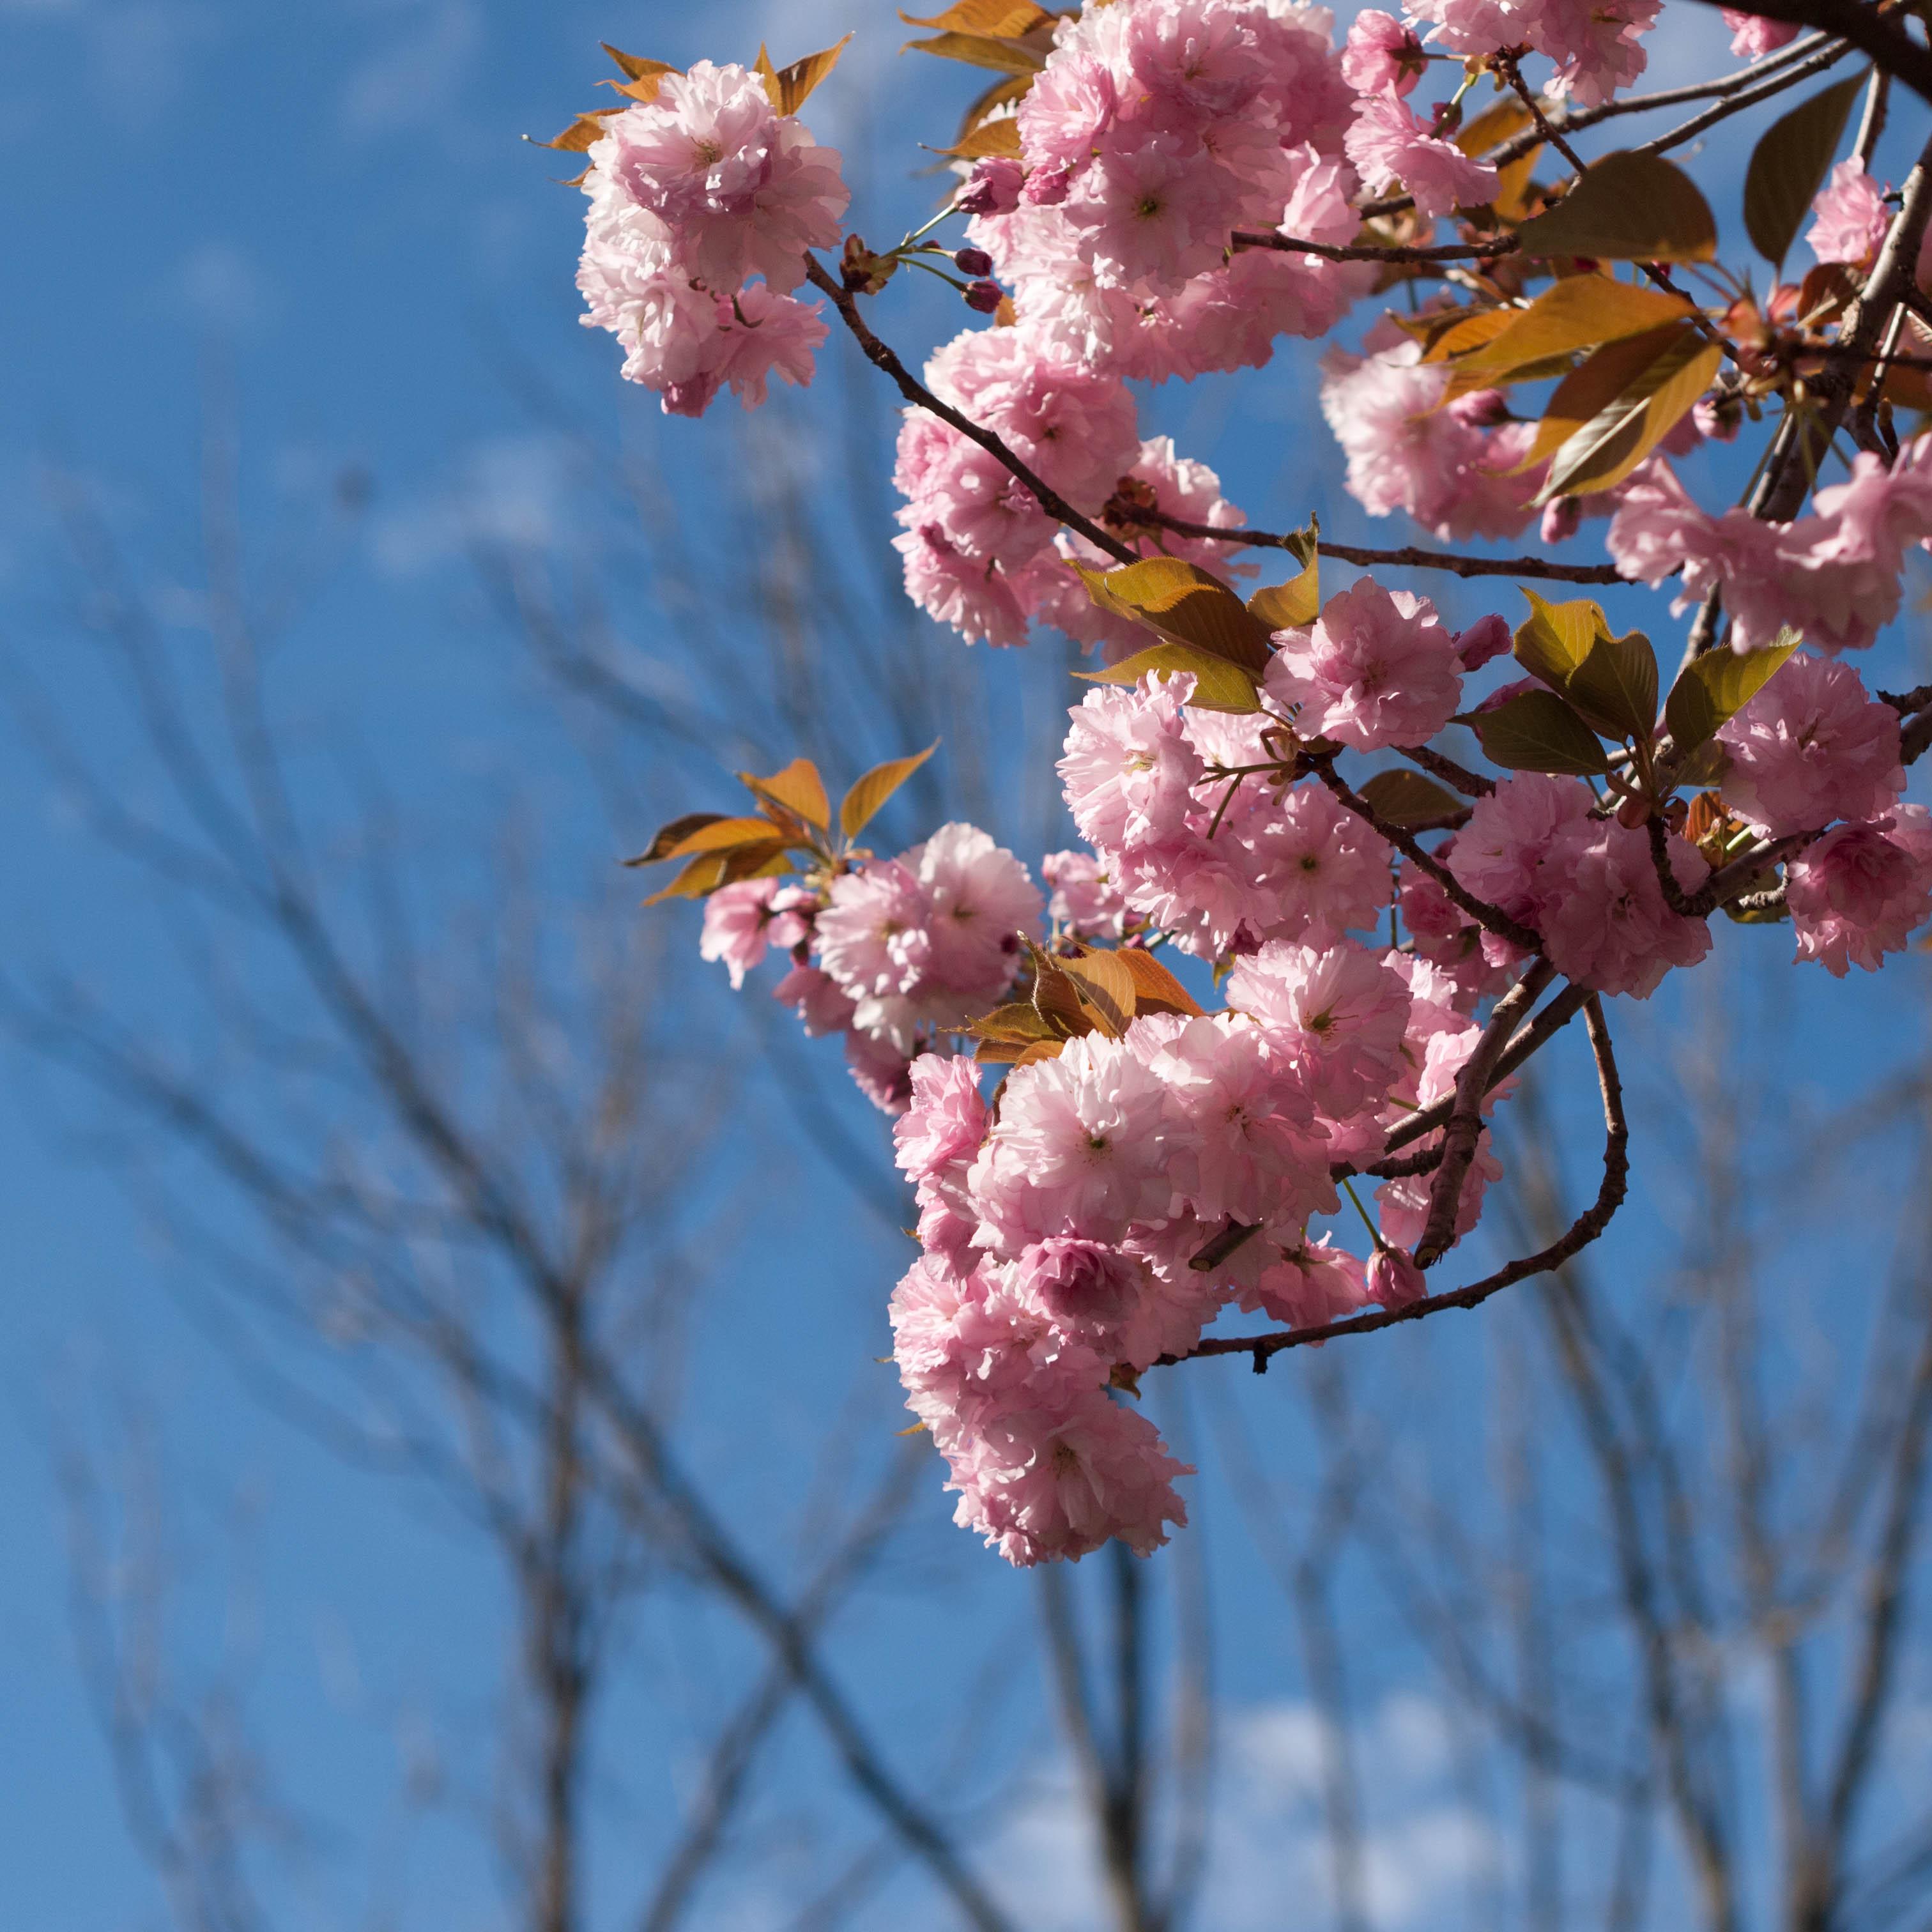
[{"x": 858, "y": 806}]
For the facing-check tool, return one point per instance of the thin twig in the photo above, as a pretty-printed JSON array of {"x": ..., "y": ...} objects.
[
  {"x": 1463, "y": 1131},
  {"x": 1493, "y": 918},
  {"x": 882, "y": 358},
  {"x": 1409, "y": 557}
]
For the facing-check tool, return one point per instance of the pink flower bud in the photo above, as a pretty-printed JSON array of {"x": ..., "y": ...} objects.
[
  {"x": 973, "y": 262},
  {"x": 984, "y": 296},
  {"x": 1046, "y": 188},
  {"x": 1481, "y": 408},
  {"x": 1394, "y": 1279},
  {"x": 1561, "y": 516},
  {"x": 1488, "y": 637},
  {"x": 994, "y": 188}
]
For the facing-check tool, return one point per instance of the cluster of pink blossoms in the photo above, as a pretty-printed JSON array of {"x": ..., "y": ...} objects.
[
  {"x": 1833, "y": 575},
  {"x": 979, "y": 553},
  {"x": 890, "y": 956},
  {"x": 703, "y": 203},
  {"x": 1079, "y": 1233},
  {"x": 1060, "y": 1237},
  {"x": 1157, "y": 130}
]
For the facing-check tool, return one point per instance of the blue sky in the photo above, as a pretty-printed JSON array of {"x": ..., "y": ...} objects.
[{"x": 320, "y": 224}]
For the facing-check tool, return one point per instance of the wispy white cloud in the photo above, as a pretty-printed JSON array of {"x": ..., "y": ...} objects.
[
  {"x": 507, "y": 493},
  {"x": 427, "y": 49},
  {"x": 1422, "y": 1847},
  {"x": 218, "y": 286}
]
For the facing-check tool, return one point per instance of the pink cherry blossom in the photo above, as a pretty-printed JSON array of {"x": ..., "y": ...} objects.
[
  {"x": 1497, "y": 855},
  {"x": 1086, "y": 901},
  {"x": 1860, "y": 891},
  {"x": 1810, "y": 748},
  {"x": 978, "y": 901},
  {"x": 742, "y": 920},
  {"x": 1060, "y": 1480},
  {"x": 1337, "y": 1012},
  {"x": 1852, "y": 218},
  {"x": 1129, "y": 769},
  {"x": 1604, "y": 922},
  {"x": 1389, "y": 143},
  {"x": 1405, "y": 452},
  {"x": 1753, "y": 36},
  {"x": 1382, "y": 55},
  {"x": 1376, "y": 668},
  {"x": 937, "y": 1137},
  {"x": 1393, "y": 1278},
  {"x": 822, "y": 1006},
  {"x": 1309, "y": 1285},
  {"x": 739, "y": 190},
  {"x": 1087, "y": 1287},
  {"x": 1085, "y": 1147},
  {"x": 1258, "y": 1156}
]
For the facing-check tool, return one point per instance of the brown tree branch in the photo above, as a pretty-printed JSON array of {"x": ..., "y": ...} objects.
[
  {"x": 1586, "y": 1229},
  {"x": 882, "y": 358}
]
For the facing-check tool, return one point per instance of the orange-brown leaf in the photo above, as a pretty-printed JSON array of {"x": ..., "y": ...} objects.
[
  {"x": 709, "y": 870},
  {"x": 798, "y": 789},
  {"x": 1155, "y": 989},
  {"x": 856, "y": 810},
  {"x": 789, "y": 88},
  {"x": 667, "y": 837}
]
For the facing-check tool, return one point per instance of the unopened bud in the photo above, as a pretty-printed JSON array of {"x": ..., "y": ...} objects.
[
  {"x": 1487, "y": 638},
  {"x": 973, "y": 262},
  {"x": 1046, "y": 188},
  {"x": 1481, "y": 408},
  {"x": 994, "y": 188},
  {"x": 985, "y": 297},
  {"x": 1561, "y": 516}
]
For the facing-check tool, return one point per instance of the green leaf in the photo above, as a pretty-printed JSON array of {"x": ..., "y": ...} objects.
[
  {"x": 1218, "y": 686},
  {"x": 1715, "y": 688},
  {"x": 1615, "y": 686},
  {"x": 1184, "y": 603},
  {"x": 1288, "y": 607},
  {"x": 1556, "y": 638},
  {"x": 1407, "y": 799},
  {"x": 1627, "y": 207},
  {"x": 856, "y": 809},
  {"x": 1788, "y": 165},
  {"x": 1536, "y": 731}
]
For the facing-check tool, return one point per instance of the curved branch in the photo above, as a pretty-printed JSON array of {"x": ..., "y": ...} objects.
[
  {"x": 1587, "y": 1227},
  {"x": 915, "y": 391},
  {"x": 1463, "y": 1131}
]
